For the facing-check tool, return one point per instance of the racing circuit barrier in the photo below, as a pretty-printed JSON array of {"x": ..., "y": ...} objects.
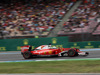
[
  {"x": 88, "y": 44},
  {"x": 15, "y": 44}
]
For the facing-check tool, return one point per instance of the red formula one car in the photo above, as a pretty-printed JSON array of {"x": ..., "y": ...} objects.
[{"x": 49, "y": 50}]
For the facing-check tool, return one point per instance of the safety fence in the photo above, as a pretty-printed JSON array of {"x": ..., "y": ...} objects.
[
  {"x": 15, "y": 44},
  {"x": 88, "y": 44}
]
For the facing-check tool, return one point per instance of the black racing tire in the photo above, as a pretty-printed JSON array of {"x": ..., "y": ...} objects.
[
  {"x": 72, "y": 53},
  {"x": 27, "y": 55}
]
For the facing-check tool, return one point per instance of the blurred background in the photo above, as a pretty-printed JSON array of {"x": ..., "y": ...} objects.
[
  {"x": 63, "y": 23},
  {"x": 79, "y": 20}
]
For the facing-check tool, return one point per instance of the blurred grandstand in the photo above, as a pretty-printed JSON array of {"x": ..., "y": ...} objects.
[
  {"x": 32, "y": 18},
  {"x": 84, "y": 22},
  {"x": 29, "y": 18}
]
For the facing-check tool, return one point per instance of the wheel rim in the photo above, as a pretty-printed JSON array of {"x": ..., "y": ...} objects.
[
  {"x": 26, "y": 55},
  {"x": 71, "y": 53}
]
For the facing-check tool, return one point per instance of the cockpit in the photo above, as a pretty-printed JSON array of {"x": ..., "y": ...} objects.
[{"x": 46, "y": 47}]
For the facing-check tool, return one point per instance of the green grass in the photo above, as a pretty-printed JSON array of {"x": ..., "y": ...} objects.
[{"x": 86, "y": 66}]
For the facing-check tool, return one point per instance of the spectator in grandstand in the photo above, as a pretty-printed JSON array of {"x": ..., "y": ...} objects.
[
  {"x": 20, "y": 17},
  {"x": 82, "y": 15}
]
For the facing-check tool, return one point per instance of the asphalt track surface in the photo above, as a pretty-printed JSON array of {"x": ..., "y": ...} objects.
[{"x": 16, "y": 56}]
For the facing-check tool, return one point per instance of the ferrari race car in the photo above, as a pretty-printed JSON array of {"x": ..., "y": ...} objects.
[{"x": 49, "y": 50}]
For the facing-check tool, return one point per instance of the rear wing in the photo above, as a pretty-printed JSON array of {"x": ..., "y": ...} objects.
[{"x": 25, "y": 48}]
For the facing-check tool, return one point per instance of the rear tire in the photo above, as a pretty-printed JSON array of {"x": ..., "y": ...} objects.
[
  {"x": 27, "y": 55},
  {"x": 72, "y": 53}
]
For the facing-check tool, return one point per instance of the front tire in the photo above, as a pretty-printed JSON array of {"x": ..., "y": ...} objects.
[
  {"x": 72, "y": 53},
  {"x": 27, "y": 55}
]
